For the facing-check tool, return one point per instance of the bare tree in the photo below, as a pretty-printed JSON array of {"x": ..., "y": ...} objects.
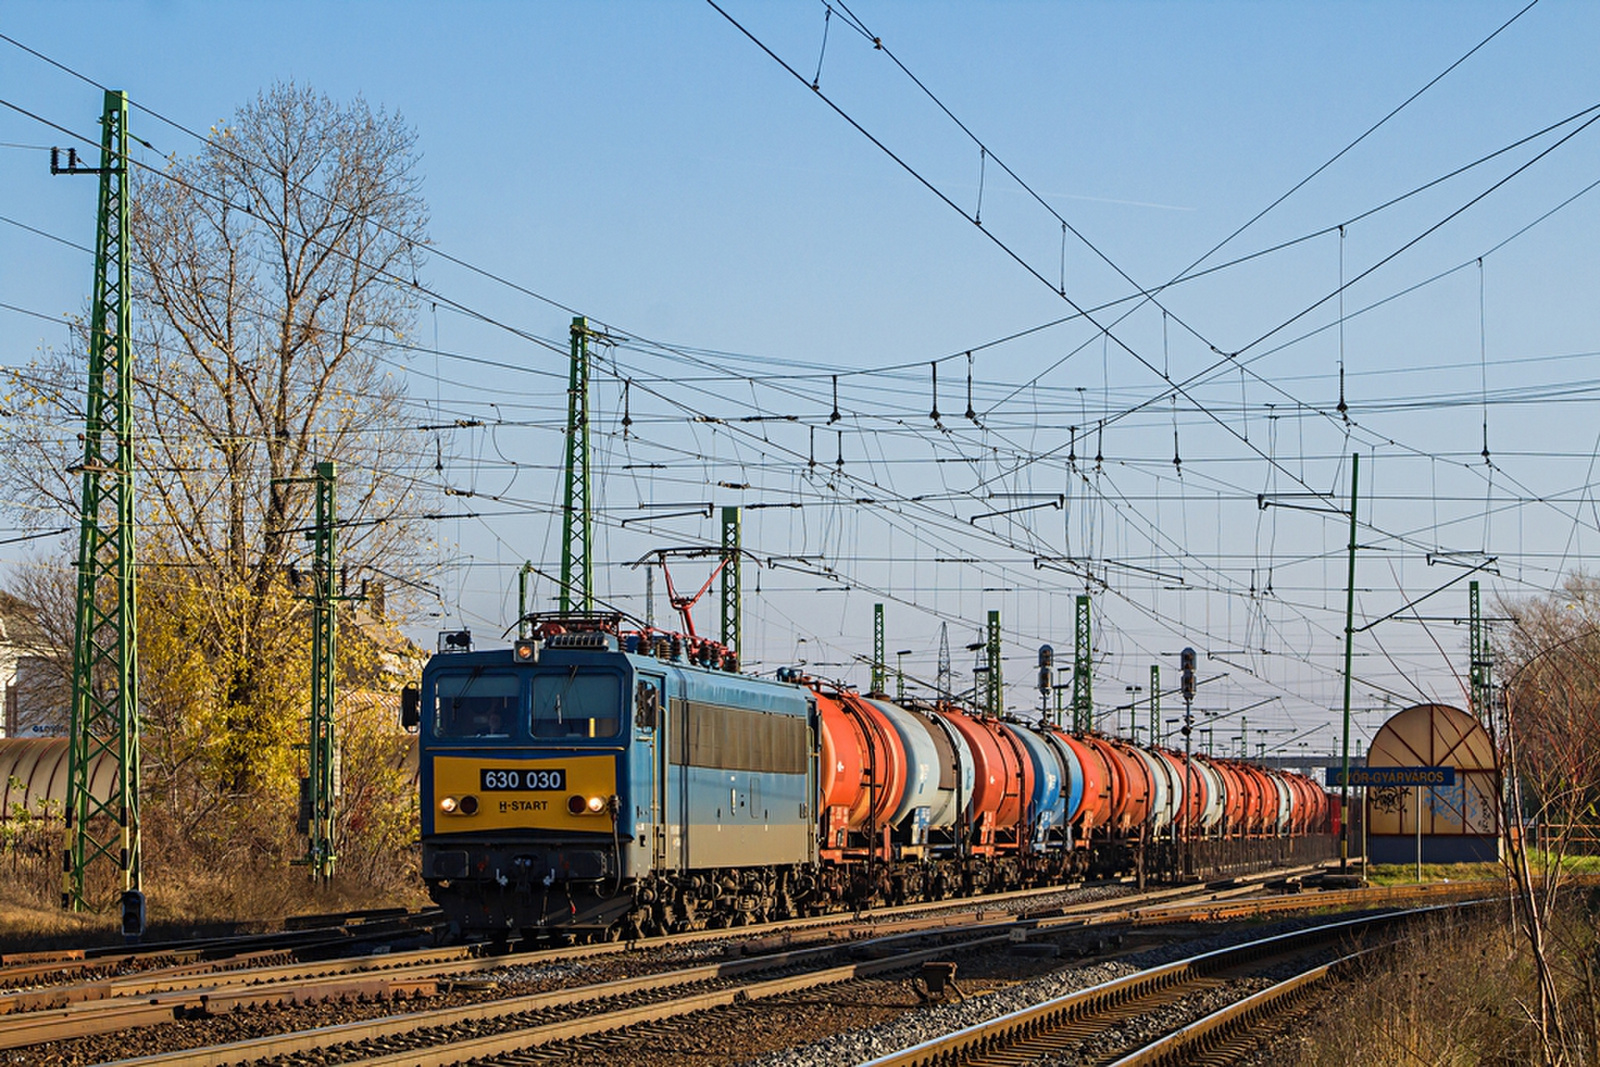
[
  {"x": 1552, "y": 750},
  {"x": 275, "y": 267},
  {"x": 273, "y": 271}
]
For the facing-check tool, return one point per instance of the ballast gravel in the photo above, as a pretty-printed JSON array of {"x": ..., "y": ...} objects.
[
  {"x": 925, "y": 1024},
  {"x": 922, "y": 1024}
]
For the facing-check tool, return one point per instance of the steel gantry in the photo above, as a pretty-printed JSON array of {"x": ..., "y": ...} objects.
[{"x": 105, "y": 834}]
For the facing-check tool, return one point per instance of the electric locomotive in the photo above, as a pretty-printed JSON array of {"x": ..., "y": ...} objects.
[{"x": 603, "y": 783}]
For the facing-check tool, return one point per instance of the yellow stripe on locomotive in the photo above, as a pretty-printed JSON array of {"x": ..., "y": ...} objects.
[{"x": 500, "y": 793}]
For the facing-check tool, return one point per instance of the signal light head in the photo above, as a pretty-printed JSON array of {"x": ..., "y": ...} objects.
[{"x": 1186, "y": 660}]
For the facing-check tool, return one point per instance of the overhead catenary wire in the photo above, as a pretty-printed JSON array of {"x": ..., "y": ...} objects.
[{"x": 882, "y": 439}]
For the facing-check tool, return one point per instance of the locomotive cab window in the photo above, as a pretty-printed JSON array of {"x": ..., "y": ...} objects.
[
  {"x": 475, "y": 705},
  {"x": 577, "y": 705}
]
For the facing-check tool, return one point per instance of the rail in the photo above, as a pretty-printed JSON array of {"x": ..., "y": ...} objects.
[{"x": 989, "y": 1037}]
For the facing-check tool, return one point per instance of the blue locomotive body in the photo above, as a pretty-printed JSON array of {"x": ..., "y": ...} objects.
[{"x": 585, "y": 787}]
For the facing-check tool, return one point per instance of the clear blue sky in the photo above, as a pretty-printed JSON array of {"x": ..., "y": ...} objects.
[{"x": 651, "y": 167}]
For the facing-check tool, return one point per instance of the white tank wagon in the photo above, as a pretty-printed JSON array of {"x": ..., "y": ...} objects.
[{"x": 33, "y": 777}]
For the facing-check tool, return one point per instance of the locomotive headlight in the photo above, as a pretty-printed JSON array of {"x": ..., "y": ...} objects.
[
  {"x": 578, "y": 804},
  {"x": 448, "y": 805},
  {"x": 468, "y": 805}
]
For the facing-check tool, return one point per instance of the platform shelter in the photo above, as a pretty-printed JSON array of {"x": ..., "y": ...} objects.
[{"x": 1459, "y": 822}]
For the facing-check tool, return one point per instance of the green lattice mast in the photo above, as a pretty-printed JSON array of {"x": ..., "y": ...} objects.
[
  {"x": 323, "y": 755},
  {"x": 1157, "y": 735},
  {"x": 104, "y": 834},
  {"x": 880, "y": 673},
  {"x": 1482, "y": 665},
  {"x": 996, "y": 701},
  {"x": 1082, "y": 669},
  {"x": 732, "y": 613},
  {"x": 577, "y": 521}
]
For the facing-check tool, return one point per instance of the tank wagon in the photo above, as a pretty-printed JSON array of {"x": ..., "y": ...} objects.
[{"x": 611, "y": 783}]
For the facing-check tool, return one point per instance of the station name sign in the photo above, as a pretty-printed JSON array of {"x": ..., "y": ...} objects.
[{"x": 1394, "y": 776}]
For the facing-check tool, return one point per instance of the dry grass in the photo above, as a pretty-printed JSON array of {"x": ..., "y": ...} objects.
[
  {"x": 1458, "y": 994},
  {"x": 189, "y": 887}
]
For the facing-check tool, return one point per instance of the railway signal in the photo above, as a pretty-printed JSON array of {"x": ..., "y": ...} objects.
[{"x": 1047, "y": 659}]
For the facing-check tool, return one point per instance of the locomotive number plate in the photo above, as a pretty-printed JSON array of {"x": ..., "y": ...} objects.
[{"x": 496, "y": 778}]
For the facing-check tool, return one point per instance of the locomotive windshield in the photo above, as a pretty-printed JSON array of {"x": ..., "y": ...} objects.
[
  {"x": 475, "y": 705},
  {"x": 573, "y": 704}
]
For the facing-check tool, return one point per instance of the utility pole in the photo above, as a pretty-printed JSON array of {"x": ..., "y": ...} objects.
[
  {"x": 1349, "y": 636},
  {"x": 105, "y": 676},
  {"x": 1082, "y": 669},
  {"x": 577, "y": 519},
  {"x": 880, "y": 672},
  {"x": 732, "y": 609},
  {"x": 996, "y": 689},
  {"x": 319, "y": 789}
]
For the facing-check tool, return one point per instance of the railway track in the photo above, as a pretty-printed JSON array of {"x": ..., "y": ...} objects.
[
  {"x": 360, "y": 1002},
  {"x": 303, "y": 938},
  {"x": 1105, "y": 1024},
  {"x": 50, "y": 980},
  {"x": 193, "y": 991},
  {"x": 1239, "y": 1031},
  {"x": 501, "y": 1026}
]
